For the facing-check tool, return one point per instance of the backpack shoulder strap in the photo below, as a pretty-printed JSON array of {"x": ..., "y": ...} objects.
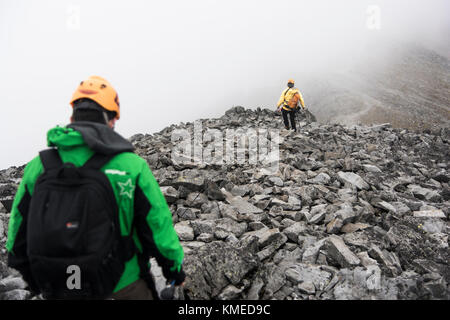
[
  {"x": 98, "y": 160},
  {"x": 285, "y": 93},
  {"x": 50, "y": 158}
]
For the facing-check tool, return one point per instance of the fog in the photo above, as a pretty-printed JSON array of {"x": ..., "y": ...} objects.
[{"x": 174, "y": 61}]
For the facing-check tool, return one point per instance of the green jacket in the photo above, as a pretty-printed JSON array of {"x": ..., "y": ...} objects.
[{"x": 139, "y": 199}]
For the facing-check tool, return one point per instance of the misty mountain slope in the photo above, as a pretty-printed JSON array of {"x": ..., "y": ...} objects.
[
  {"x": 407, "y": 86},
  {"x": 351, "y": 213}
]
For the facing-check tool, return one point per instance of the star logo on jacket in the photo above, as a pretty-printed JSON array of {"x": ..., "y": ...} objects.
[{"x": 126, "y": 188}]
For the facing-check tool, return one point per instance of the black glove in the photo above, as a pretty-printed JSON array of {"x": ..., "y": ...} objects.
[{"x": 176, "y": 276}]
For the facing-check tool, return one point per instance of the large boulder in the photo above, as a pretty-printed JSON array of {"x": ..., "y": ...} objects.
[{"x": 215, "y": 266}]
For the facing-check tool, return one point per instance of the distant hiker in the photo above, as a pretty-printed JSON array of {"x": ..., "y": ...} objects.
[
  {"x": 89, "y": 213},
  {"x": 288, "y": 103}
]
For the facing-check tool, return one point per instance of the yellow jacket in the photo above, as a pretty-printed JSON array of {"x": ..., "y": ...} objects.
[{"x": 289, "y": 99}]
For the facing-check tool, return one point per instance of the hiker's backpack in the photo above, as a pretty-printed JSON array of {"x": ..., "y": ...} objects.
[
  {"x": 74, "y": 244},
  {"x": 290, "y": 102}
]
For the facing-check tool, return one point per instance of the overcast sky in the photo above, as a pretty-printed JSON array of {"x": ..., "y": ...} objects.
[{"x": 179, "y": 60}]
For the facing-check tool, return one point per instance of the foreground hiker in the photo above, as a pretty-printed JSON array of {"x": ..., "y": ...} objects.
[
  {"x": 288, "y": 103},
  {"x": 89, "y": 213}
]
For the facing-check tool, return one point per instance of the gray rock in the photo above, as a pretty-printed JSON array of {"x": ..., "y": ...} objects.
[
  {"x": 442, "y": 177},
  {"x": 295, "y": 230},
  {"x": 352, "y": 227},
  {"x": 203, "y": 226},
  {"x": 295, "y": 203},
  {"x": 215, "y": 266},
  {"x": 231, "y": 238},
  {"x": 346, "y": 214},
  {"x": 255, "y": 289},
  {"x": 371, "y": 168},
  {"x": 311, "y": 252},
  {"x": 300, "y": 273},
  {"x": 424, "y": 193},
  {"x": 386, "y": 206},
  {"x": 225, "y": 211},
  {"x": 334, "y": 226},
  {"x": 208, "y": 216},
  {"x": 339, "y": 252},
  {"x": 191, "y": 179},
  {"x": 425, "y": 266},
  {"x": 259, "y": 197},
  {"x": 229, "y": 293},
  {"x": 16, "y": 294},
  {"x": 429, "y": 214},
  {"x": 318, "y": 209},
  {"x": 347, "y": 195},
  {"x": 10, "y": 283},
  {"x": 213, "y": 192},
  {"x": 170, "y": 193},
  {"x": 389, "y": 261},
  {"x": 277, "y": 212},
  {"x": 183, "y": 192},
  {"x": 401, "y": 208},
  {"x": 437, "y": 288},
  {"x": 306, "y": 287},
  {"x": 353, "y": 179},
  {"x": 277, "y": 181},
  {"x": 205, "y": 237},
  {"x": 440, "y": 238},
  {"x": 321, "y": 178},
  {"x": 159, "y": 279},
  {"x": 288, "y": 254},
  {"x": 355, "y": 284},
  {"x": 257, "y": 225},
  {"x": 7, "y": 202},
  {"x": 241, "y": 205},
  {"x": 277, "y": 240},
  {"x": 184, "y": 231},
  {"x": 230, "y": 226},
  {"x": 373, "y": 279},
  {"x": 265, "y": 236},
  {"x": 366, "y": 260},
  {"x": 286, "y": 223},
  {"x": 186, "y": 213},
  {"x": 432, "y": 225},
  {"x": 242, "y": 191},
  {"x": 317, "y": 218},
  {"x": 293, "y": 275},
  {"x": 282, "y": 204},
  {"x": 274, "y": 278},
  {"x": 196, "y": 199}
]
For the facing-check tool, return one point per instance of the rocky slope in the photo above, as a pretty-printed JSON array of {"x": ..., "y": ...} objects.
[
  {"x": 405, "y": 85},
  {"x": 352, "y": 213}
]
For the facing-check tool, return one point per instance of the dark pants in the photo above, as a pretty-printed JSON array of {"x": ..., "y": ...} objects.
[
  {"x": 137, "y": 290},
  {"x": 291, "y": 114}
]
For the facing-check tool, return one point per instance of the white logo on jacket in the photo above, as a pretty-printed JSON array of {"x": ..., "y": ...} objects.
[{"x": 126, "y": 188}]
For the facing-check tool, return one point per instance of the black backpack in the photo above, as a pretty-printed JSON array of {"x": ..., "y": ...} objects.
[{"x": 73, "y": 226}]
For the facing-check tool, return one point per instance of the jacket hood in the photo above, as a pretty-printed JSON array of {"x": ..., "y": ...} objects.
[{"x": 98, "y": 137}]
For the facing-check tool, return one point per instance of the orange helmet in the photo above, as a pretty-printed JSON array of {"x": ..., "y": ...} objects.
[
  {"x": 291, "y": 81},
  {"x": 100, "y": 90}
]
